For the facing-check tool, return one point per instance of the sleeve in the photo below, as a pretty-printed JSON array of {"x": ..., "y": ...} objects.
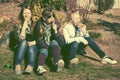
[
  {"x": 39, "y": 41},
  {"x": 58, "y": 36},
  {"x": 69, "y": 40}
]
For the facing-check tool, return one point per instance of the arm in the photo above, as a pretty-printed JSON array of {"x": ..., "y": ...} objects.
[
  {"x": 83, "y": 29},
  {"x": 57, "y": 34},
  {"x": 69, "y": 39},
  {"x": 39, "y": 41}
]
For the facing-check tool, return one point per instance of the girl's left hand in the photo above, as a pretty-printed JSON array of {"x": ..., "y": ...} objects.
[
  {"x": 31, "y": 43},
  {"x": 54, "y": 26}
]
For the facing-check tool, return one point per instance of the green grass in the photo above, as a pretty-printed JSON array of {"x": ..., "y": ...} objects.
[
  {"x": 94, "y": 35},
  {"x": 82, "y": 71},
  {"x": 113, "y": 16}
]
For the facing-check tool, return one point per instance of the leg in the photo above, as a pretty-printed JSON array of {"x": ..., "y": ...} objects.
[
  {"x": 101, "y": 54},
  {"x": 31, "y": 53},
  {"x": 56, "y": 51},
  {"x": 21, "y": 51},
  {"x": 41, "y": 60},
  {"x": 19, "y": 56},
  {"x": 95, "y": 47},
  {"x": 73, "y": 50},
  {"x": 72, "y": 60}
]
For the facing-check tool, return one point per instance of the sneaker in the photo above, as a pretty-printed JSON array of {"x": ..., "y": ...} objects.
[
  {"x": 73, "y": 62},
  {"x": 28, "y": 70},
  {"x": 41, "y": 69},
  {"x": 60, "y": 64},
  {"x": 109, "y": 60},
  {"x": 17, "y": 69}
]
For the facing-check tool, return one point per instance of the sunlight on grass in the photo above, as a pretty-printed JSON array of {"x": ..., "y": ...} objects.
[{"x": 82, "y": 71}]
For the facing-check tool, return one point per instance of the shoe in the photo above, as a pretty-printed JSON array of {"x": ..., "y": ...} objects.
[
  {"x": 17, "y": 69},
  {"x": 60, "y": 64},
  {"x": 28, "y": 70},
  {"x": 41, "y": 69},
  {"x": 73, "y": 62},
  {"x": 109, "y": 60}
]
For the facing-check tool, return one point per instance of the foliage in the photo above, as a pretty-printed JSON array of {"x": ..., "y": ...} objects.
[
  {"x": 6, "y": 25},
  {"x": 104, "y": 5},
  {"x": 71, "y": 5},
  {"x": 38, "y": 5},
  {"x": 113, "y": 16},
  {"x": 94, "y": 35},
  {"x": 2, "y": 1}
]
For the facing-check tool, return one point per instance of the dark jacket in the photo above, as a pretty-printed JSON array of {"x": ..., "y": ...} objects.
[{"x": 54, "y": 36}]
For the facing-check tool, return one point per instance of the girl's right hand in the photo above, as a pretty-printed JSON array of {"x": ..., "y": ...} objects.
[{"x": 31, "y": 43}]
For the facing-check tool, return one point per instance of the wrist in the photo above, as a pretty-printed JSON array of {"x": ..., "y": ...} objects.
[
  {"x": 34, "y": 42},
  {"x": 55, "y": 31}
]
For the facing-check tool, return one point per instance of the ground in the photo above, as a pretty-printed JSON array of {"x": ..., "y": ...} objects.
[{"x": 109, "y": 42}]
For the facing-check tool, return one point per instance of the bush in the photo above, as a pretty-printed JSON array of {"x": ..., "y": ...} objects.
[
  {"x": 104, "y": 5},
  {"x": 94, "y": 35}
]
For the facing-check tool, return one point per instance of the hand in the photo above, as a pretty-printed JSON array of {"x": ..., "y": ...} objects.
[
  {"x": 31, "y": 43},
  {"x": 25, "y": 25},
  {"x": 83, "y": 28},
  {"x": 54, "y": 26},
  {"x": 83, "y": 40}
]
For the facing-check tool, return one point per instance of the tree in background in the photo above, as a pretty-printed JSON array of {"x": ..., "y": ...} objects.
[
  {"x": 38, "y": 5},
  {"x": 104, "y": 5}
]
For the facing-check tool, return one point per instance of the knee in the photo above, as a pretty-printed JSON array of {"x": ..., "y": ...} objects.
[
  {"x": 23, "y": 42},
  {"x": 53, "y": 43},
  {"x": 74, "y": 44},
  {"x": 89, "y": 40},
  {"x": 44, "y": 51},
  {"x": 33, "y": 49}
]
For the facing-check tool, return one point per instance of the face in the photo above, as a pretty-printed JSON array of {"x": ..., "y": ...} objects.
[
  {"x": 27, "y": 14},
  {"x": 50, "y": 18},
  {"x": 76, "y": 18}
]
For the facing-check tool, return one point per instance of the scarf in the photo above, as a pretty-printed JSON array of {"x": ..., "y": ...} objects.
[
  {"x": 77, "y": 31},
  {"x": 46, "y": 33}
]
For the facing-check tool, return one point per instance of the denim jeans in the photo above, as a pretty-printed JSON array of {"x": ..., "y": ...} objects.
[
  {"x": 76, "y": 47},
  {"x": 45, "y": 51},
  {"x": 30, "y": 50},
  {"x": 73, "y": 50},
  {"x": 95, "y": 47}
]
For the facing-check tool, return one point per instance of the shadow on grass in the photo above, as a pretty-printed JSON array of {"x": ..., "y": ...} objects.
[
  {"x": 91, "y": 58},
  {"x": 109, "y": 24},
  {"x": 112, "y": 26}
]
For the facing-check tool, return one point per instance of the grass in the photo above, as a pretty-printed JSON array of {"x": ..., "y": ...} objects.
[
  {"x": 82, "y": 71},
  {"x": 113, "y": 16},
  {"x": 94, "y": 35}
]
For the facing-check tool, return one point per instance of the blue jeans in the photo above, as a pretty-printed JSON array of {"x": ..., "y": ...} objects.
[
  {"x": 31, "y": 53},
  {"x": 73, "y": 50},
  {"x": 69, "y": 51},
  {"x": 95, "y": 47},
  {"x": 76, "y": 47},
  {"x": 45, "y": 51}
]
